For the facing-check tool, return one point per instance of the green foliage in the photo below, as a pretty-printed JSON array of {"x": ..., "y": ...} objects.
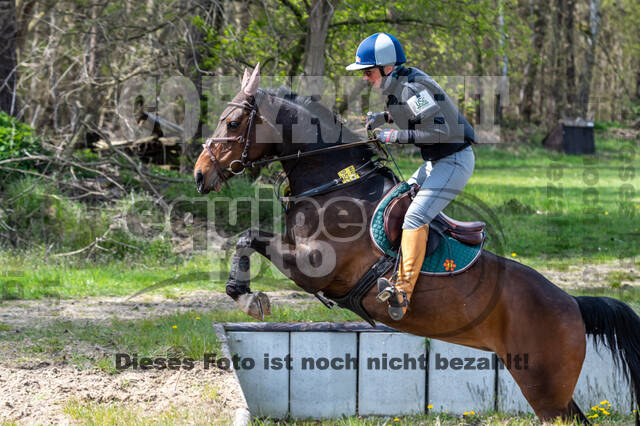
[
  {"x": 444, "y": 39},
  {"x": 16, "y": 138},
  {"x": 36, "y": 211},
  {"x": 275, "y": 35},
  {"x": 231, "y": 210},
  {"x": 86, "y": 155},
  {"x": 550, "y": 212},
  {"x": 606, "y": 125}
]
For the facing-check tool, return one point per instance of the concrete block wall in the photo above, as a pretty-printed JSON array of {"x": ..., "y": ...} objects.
[{"x": 363, "y": 371}]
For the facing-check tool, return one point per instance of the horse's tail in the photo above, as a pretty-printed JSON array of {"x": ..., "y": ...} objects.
[{"x": 617, "y": 326}]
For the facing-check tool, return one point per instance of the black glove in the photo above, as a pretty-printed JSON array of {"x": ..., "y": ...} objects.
[
  {"x": 387, "y": 135},
  {"x": 376, "y": 119}
]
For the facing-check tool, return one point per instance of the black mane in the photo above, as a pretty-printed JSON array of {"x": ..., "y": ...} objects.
[
  {"x": 285, "y": 110},
  {"x": 329, "y": 121}
]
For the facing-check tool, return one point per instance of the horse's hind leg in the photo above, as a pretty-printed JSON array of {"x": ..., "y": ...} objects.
[
  {"x": 542, "y": 322},
  {"x": 549, "y": 382},
  {"x": 576, "y": 413},
  {"x": 555, "y": 347}
]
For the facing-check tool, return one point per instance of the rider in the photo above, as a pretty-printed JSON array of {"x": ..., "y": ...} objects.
[{"x": 425, "y": 116}]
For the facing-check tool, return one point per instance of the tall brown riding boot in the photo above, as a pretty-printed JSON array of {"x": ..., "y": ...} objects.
[{"x": 414, "y": 247}]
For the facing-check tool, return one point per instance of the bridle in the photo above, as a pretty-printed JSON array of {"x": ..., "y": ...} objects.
[{"x": 244, "y": 138}]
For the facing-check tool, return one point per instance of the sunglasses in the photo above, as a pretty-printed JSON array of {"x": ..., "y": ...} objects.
[{"x": 368, "y": 72}]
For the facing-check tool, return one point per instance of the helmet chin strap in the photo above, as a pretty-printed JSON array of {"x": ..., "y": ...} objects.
[{"x": 386, "y": 78}]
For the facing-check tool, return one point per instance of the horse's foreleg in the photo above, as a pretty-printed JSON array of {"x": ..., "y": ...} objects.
[{"x": 269, "y": 245}]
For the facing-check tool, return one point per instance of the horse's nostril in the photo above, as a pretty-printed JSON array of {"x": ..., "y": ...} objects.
[{"x": 199, "y": 178}]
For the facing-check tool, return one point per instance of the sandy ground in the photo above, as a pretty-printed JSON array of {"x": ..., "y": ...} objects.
[
  {"x": 29, "y": 313},
  {"x": 595, "y": 276},
  {"x": 33, "y": 391},
  {"x": 37, "y": 395}
]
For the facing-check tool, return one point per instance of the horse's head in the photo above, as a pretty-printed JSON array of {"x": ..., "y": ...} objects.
[{"x": 233, "y": 143}]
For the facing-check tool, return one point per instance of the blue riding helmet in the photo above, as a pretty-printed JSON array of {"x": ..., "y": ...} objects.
[{"x": 378, "y": 50}]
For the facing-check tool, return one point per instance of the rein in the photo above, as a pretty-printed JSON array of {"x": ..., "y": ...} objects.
[
  {"x": 246, "y": 139},
  {"x": 301, "y": 154}
]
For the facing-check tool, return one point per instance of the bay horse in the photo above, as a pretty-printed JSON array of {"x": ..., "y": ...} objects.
[{"x": 496, "y": 305}]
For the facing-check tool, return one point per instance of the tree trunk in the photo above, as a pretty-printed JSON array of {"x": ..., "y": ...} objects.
[
  {"x": 638, "y": 82},
  {"x": 537, "y": 40},
  {"x": 193, "y": 60},
  {"x": 320, "y": 14},
  {"x": 91, "y": 45},
  {"x": 24, "y": 14},
  {"x": 570, "y": 61},
  {"x": 557, "y": 56},
  {"x": 240, "y": 17},
  {"x": 8, "y": 60},
  {"x": 592, "y": 39},
  {"x": 505, "y": 63},
  {"x": 478, "y": 70}
]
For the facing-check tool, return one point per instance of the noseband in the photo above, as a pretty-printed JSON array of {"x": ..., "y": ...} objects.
[{"x": 245, "y": 138}]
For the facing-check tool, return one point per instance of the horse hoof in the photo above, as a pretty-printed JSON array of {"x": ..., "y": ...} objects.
[
  {"x": 265, "y": 303},
  {"x": 256, "y": 305}
]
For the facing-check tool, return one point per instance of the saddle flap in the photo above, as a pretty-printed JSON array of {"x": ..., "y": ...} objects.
[{"x": 433, "y": 241}]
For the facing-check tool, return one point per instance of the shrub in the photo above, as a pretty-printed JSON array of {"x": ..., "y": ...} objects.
[
  {"x": 16, "y": 138},
  {"x": 37, "y": 212}
]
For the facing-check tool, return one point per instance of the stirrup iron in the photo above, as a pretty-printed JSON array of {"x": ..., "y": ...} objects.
[
  {"x": 396, "y": 308},
  {"x": 385, "y": 290}
]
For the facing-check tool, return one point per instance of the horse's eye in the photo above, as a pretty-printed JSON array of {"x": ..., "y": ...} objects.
[{"x": 233, "y": 124}]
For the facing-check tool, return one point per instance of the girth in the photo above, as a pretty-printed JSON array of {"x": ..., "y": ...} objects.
[{"x": 353, "y": 299}]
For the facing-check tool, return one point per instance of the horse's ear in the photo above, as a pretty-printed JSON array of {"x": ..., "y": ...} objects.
[
  {"x": 245, "y": 78},
  {"x": 254, "y": 81}
]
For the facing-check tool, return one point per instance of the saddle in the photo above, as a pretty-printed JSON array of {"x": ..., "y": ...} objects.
[{"x": 470, "y": 233}]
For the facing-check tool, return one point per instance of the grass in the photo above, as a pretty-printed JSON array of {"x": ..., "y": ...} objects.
[
  {"x": 489, "y": 419},
  {"x": 544, "y": 209},
  {"x": 107, "y": 414},
  {"x": 629, "y": 295},
  {"x": 553, "y": 209},
  {"x": 187, "y": 334},
  {"x": 28, "y": 277},
  {"x": 93, "y": 413},
  {"x": 616, "y": 278}
]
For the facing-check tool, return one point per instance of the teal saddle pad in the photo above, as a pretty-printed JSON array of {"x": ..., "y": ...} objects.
[{"x": 451, "y": 257}]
